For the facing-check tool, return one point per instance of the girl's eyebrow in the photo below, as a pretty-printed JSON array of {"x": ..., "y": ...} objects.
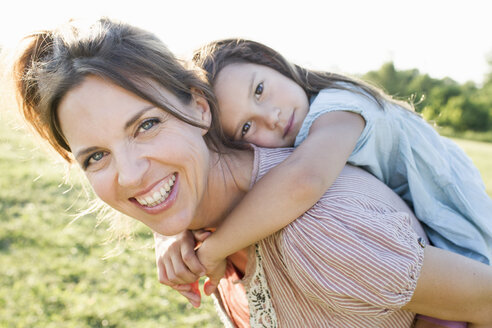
[{"x": 128, "y": 124}]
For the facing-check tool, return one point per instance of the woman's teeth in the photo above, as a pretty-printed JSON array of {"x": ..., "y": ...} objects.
[{"x": 158, "y": 196}]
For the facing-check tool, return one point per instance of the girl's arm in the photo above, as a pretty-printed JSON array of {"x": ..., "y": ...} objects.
[
  {"x": 453, "y": 287},
  {"x": 286, "y": 191}
]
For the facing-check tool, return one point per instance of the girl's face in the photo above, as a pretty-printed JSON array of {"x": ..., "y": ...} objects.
[
  {"x": 139, "y": 159},
  {"x": 259, "y": 105}
]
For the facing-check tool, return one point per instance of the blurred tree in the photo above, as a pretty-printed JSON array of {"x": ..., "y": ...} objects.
[
  {"x": 488, "y": 76},
  {"x": 463, "y": 113},
  {"x": 444, "y": 101}
]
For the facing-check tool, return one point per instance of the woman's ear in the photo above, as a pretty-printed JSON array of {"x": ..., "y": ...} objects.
[{"x": 202, "y": 106}]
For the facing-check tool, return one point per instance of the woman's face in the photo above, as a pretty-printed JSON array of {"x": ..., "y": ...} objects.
[{"x": 139, "y": 159}]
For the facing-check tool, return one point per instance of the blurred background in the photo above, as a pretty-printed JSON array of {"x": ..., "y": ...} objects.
[{"x": 59, "y": 273}]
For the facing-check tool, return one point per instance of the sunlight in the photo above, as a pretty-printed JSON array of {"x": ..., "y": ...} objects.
[{"x": 350, "y": 37}]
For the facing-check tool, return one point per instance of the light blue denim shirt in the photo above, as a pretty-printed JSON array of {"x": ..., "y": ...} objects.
[{"x": 430, "y": 172}]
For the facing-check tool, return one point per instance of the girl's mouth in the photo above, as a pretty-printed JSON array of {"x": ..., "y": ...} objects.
[
  {"x": 289, "y": 126},
  {"x": 157, "y": 196}
]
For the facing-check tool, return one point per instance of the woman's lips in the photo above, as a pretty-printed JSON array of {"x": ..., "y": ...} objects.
[
  {"x": 157, "y": 192},
  {"x": 162, "y": 204},
  {"x": 289, "y": 126}
]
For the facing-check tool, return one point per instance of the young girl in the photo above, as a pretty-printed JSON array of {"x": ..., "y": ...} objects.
[{"x": 333, "y": 119}]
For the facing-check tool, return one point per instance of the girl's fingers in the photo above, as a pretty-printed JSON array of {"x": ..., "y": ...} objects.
[
  {"x": 181, "y": 273},
  {"x": 209, "y": 287},
  {"x": 195, "y": 287},
  {"x": 162, "y": 275},
  {"x": 191, "y": 261},
  {"x": 183, "y": 288},
  {"x": 201, "y": 235},
  {"x": 170, "y": 274},
  {"x": 193, "y": 298}
]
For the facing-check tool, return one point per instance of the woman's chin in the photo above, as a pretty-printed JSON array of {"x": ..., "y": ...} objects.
[{"x": 169, "y": 225}]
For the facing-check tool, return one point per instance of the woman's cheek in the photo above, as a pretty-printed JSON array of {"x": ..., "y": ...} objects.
[{"x": 103, "y": 187}]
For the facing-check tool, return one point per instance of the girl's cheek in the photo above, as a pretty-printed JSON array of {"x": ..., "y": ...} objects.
[{"x": 266, "y": 139}]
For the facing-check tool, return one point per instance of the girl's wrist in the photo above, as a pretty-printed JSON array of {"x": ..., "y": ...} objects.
[{"x": 207, "y": 254}]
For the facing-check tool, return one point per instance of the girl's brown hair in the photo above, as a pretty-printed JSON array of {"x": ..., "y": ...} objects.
[
  {"x": 214, "y": 56},
  {"x": 53, "y": 62}
]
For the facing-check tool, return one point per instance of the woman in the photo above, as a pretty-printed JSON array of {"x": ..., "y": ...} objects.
[{"x": 143, "y": 128}]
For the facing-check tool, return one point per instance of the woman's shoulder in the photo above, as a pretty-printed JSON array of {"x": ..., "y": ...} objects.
[{"x": 267, "y": 158}]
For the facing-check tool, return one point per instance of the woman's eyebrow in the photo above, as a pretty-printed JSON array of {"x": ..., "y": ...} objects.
[
  {"x": 135, "y": 117},
  {"x": 83, "y": 152}
]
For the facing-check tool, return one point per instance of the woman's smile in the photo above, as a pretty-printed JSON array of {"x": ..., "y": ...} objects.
[
  {"x": 161, "y": 196},
  {"x": 158, "y": 193}
]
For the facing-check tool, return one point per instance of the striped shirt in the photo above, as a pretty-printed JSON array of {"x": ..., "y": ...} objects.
[{"x": 352, "y": 260}]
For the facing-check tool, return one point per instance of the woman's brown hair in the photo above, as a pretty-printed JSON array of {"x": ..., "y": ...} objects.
[{"x": 53, "y": 62}]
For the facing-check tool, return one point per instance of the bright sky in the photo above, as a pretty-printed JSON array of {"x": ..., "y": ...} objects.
[{"x": 439, "y": 37}]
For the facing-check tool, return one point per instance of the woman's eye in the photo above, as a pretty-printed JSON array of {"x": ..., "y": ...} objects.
[
  {"x": 259, "y": 89},
  {"x": 97, "y": 156},
  {"x": 147, "y": 125},
  {"x": 94, "y": 158},
  {"x": 245, "y": 128}
]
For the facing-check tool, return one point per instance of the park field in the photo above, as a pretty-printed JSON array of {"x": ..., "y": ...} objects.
[
  {"x": 481, "y": 155},
  {"x": 55, "y": 273}
]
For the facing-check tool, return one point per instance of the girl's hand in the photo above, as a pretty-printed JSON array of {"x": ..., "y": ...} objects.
[
  {"x": 177, "y": 264},
  {"x": 214, "y": 268}
]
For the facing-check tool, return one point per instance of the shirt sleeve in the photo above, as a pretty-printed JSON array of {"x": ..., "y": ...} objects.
[
  {"x": 354, "y": 260},
  {"x": 350, "y": 100}
]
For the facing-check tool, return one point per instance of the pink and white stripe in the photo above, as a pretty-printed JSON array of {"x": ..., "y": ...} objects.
[{"x": 351, "y": 261}]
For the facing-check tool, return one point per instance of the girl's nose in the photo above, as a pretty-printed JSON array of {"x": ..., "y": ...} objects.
[
  {"x": 131, "y": 169},
  {"x": 272, "y": 118}
]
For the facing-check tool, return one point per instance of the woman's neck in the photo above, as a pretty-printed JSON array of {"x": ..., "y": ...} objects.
[{"x": 228, "y": 181}]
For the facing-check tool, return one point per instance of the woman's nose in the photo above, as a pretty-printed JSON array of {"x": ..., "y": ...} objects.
[
  {"x": 272, "y": 118},
  {"x": 131, "y": 169}
]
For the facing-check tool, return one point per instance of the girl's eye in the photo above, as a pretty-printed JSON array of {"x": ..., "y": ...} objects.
[
  {"x": 259, "y": 89},
  {"x": 245, "y": 128},
  {"x": 94, "y": 158},
  {"x": 147, "y": 125}
]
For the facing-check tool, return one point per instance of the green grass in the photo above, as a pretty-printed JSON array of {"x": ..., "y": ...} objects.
[
  {"x": 481, "y": 155},
  {"x": 53, "y": 273},
  {"x": 468, "y": 135}
]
